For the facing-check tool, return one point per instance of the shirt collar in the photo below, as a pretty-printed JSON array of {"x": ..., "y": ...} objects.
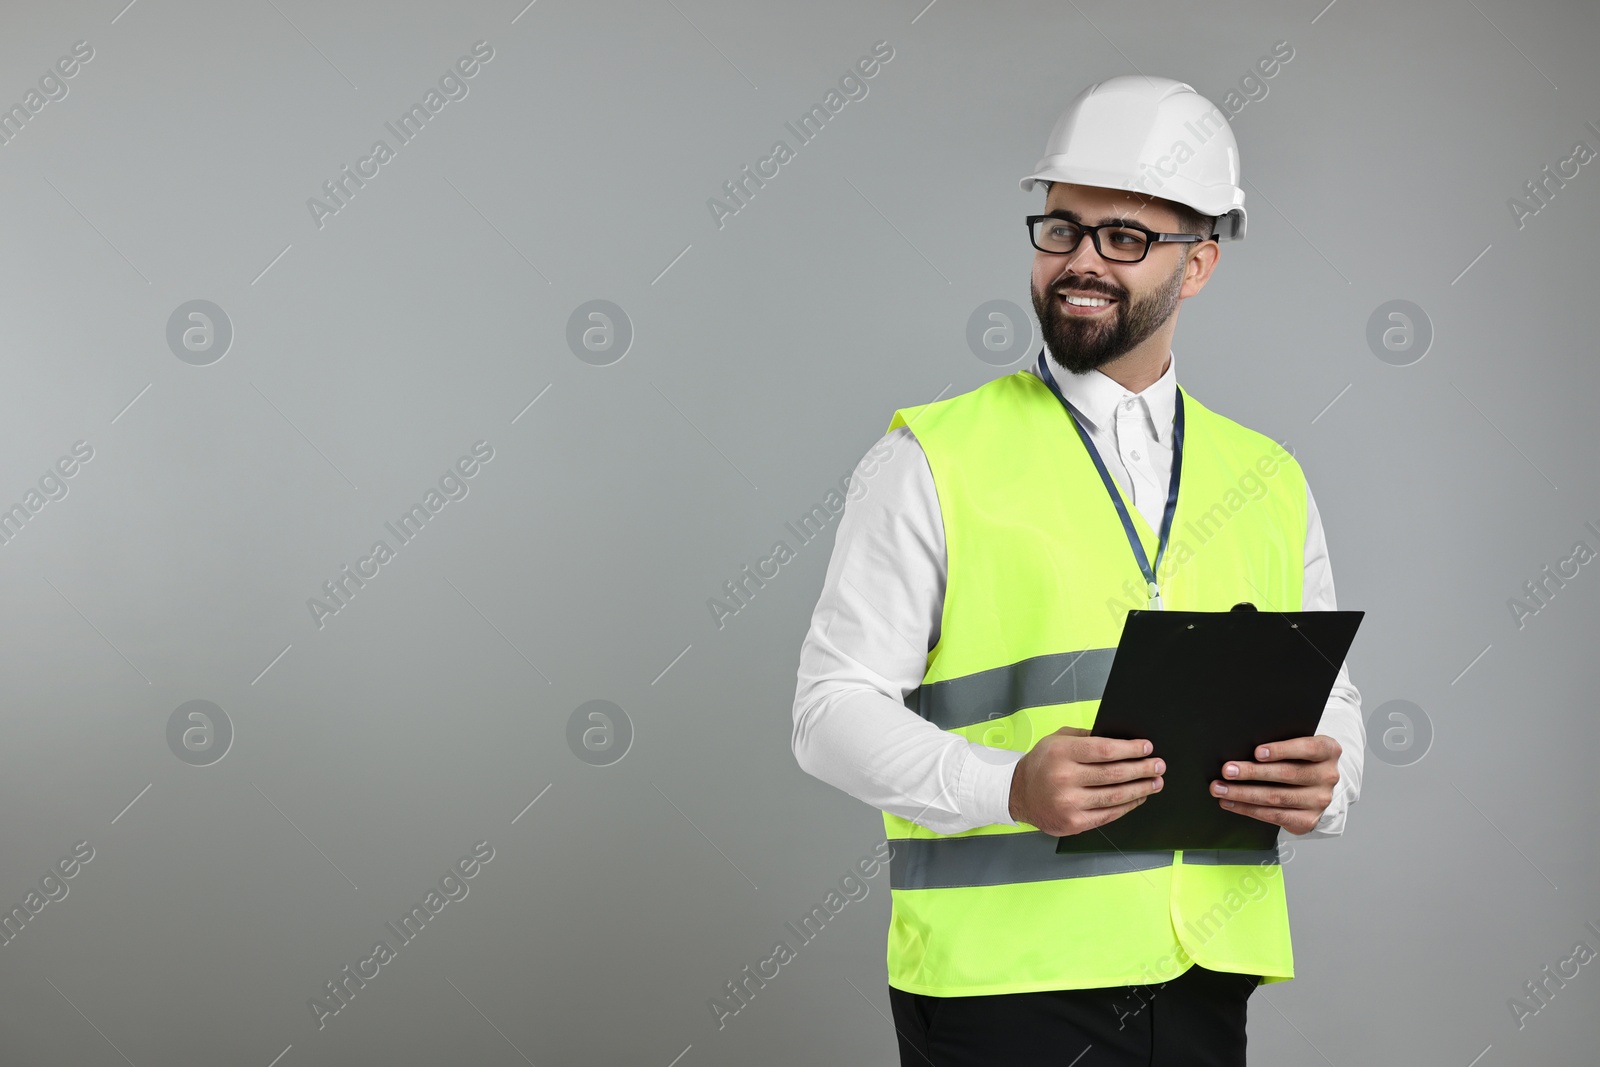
[{"x": 1096, "y": 396}]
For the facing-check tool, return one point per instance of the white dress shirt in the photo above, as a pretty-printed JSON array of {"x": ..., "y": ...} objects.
[{"x": 882, "y": 600}]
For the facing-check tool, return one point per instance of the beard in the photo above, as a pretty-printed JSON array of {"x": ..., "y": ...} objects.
[{"x": 1082, "y": 344}]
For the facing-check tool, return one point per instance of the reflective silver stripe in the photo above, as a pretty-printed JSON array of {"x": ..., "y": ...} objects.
[
  {"x": 1058, "y": 678},
  {"x": 1230, "y": 855},
  {"x": 1001, "y": 859}
]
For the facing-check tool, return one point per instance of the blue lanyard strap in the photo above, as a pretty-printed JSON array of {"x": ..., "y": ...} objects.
[{"x": 1043, "y": 370}]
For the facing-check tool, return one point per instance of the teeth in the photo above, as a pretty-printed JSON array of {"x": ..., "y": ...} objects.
[{"x": 1087, "y": 301}]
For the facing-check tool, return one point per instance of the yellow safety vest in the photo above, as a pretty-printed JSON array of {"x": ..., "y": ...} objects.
[{"x": 1040, "y": 577}]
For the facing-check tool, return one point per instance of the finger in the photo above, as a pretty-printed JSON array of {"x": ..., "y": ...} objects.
[
  {"x": 1320, "y": 747},
  {"x": 1287, "y": 796},
  {"x": 1295, "y": 820},
  {"x": 1090, "y": 774},
  {"x": 1296, "y": 771},
  {"x": 1092, "y": 817},
  {"x": 1105, "y": 749},
  {"x": 1110, "y": 796},
  {"x": 1073, "y": 731},
  {"x": 1105, "y": 815}
]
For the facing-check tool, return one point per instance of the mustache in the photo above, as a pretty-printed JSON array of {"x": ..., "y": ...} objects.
[{"x": 1087, "y": 288}]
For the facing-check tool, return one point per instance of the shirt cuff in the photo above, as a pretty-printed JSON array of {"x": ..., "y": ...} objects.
[
  {"x": 1331, "y": 824},
  {"x": 984, "y": 792}
]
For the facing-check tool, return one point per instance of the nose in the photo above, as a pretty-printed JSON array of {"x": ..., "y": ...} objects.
[{"x": 1085, "y": 259}]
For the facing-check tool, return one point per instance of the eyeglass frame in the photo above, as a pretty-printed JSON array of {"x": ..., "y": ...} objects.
[{"x": 1093, "y": 232}]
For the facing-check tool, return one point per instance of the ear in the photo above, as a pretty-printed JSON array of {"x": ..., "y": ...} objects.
[{"x": 1197, "y": 270}]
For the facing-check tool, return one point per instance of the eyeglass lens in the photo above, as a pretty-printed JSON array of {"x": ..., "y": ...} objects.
[{"x": 1060, "y": 235}]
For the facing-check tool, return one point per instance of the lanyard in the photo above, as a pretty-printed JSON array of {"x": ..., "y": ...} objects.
[{"x": 1043, "y": 369}]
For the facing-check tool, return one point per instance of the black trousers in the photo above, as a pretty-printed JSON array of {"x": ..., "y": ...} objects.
[{"x": 1194, "y": 1020}]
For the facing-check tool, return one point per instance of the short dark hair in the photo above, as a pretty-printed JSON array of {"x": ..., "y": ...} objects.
[{"x": 1191, "y": 221}]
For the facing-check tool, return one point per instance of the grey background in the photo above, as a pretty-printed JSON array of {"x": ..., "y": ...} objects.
[{"x": 428, "y": 714}]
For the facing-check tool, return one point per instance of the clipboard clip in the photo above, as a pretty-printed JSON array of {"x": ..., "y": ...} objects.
[{"x": 1243, "y": 605}]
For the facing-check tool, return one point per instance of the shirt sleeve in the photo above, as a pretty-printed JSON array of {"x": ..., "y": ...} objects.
[
  {"x": 867, "y": 648},
  {"x": 1341, "y": 718}
]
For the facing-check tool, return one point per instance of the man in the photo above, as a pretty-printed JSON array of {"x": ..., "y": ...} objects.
[{"x": 977, "y": 589}]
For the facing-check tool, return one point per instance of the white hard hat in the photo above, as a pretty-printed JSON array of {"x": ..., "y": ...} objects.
[{"x": 1149, "y": 135}]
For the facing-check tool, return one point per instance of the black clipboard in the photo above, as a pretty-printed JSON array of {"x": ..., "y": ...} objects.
[{"x": 1206, "y": 687}]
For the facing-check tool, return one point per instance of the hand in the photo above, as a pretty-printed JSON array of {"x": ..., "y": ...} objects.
[
  {"x": 1070, "y": 782},
  {"x": 1303, "y": 771}
]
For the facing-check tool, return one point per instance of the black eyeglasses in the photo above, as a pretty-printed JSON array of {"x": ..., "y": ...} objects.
[{"x": 1123, "y": 243}]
